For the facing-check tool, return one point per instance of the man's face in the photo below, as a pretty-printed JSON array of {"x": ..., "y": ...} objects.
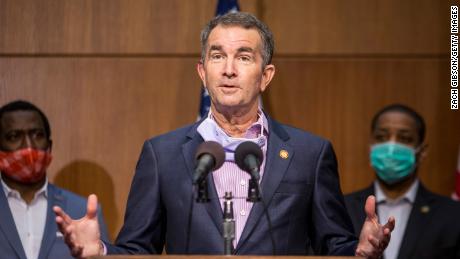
[
  {"x": 232, "y": 71},
  {"x": 397, "y": 127},
  {"x": 22, "y": 129}
]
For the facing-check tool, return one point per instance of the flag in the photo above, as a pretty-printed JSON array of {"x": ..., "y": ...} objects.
[
  {"x": 456, "y": 193},
  {"x": 223, "y": 7},
  {"x": 227, "y": 6}
]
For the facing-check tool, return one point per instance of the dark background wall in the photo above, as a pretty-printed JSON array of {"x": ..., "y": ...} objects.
[{"x": 112, "y": 73}]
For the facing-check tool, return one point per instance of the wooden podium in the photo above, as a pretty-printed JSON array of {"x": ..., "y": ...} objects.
[{"x": 218, "y": 257}]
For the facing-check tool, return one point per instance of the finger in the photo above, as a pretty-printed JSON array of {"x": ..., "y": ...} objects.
[
  {"x": 390, "y": 225},
  {"x": 60, "y": 212},
  {"x": 386, "y": 238},
  {"x": 91, "y": 209},
  {"x": 69, "y": 236},
  {"x": 69, "y": 239},
  {"x": 62, "y": 219},
  {"x": 75, "y": 247},
  {"x": 369, "y": 207},
  {"x": 360, "y": 252},
  {"x": 377, "y": 248},
  {"x": 374, "y": 242},
  {"x": 61, "y": 224},
  {"x": 386, "y": 232},
  {"x": 384, "y": 244},
  {"x": 76, "y": 251}
]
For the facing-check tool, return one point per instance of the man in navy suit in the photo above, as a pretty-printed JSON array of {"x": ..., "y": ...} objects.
[
  {"x": 299, "y": 176},
  {"x": 428, "y": 224},
  {"x": 27, "y": 223}
]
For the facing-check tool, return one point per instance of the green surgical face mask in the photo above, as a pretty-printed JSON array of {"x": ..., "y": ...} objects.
[{"x": 392, "y": 161}]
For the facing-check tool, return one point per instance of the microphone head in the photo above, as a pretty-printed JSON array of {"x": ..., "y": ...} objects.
[
  {"x": 213, "y": 149},
  {"x": 245, "y": 149}
]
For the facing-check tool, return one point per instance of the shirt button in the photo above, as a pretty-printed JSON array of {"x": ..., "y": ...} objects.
[
  {"x": 243, "y": 182},
  {"x": 242, "y": 213}
]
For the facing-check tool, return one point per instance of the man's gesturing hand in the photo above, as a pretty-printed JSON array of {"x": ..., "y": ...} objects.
[
  {"x": 374, "y": 237},
  {"x": 81, "y": 235}
]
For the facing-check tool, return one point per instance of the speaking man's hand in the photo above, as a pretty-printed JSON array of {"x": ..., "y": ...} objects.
[
  {"x": 81, "y": 235},
  {"x": 374, "y": 237}
]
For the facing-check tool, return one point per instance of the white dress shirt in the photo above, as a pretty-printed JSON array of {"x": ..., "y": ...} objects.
[
  {"x": 400, "y": 209},
  {"x": 29, "y": 218}
]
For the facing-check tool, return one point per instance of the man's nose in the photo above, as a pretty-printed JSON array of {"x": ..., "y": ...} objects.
[
  {"x": 393, "y": 138},
  {"x": 27, "y": 142},
  {"x": 229, "y": 68}
]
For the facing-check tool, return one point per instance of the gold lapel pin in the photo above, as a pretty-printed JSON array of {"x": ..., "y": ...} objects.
[
  {"x": 425, "y": 209},
  {"x": 284, "y": 154}
]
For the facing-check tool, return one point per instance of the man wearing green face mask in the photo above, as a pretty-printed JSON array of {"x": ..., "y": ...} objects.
[{"x": 428, "y": 225}]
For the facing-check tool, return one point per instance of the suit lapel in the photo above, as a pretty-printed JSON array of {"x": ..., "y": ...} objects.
[
  {"x": 188, "y": 151},
  {"x": 275, "y": 168},
  {"x": 49, "y": 235},
  {"x": 8, "y": 227},
  {"x": 420, "y": 213}
]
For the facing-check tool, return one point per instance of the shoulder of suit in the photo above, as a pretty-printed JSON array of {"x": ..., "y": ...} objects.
[
  {"x": 174, "y": 135},
  {"x": 296, "y": 135},
  {"x": 73, "y": 204},
  {"x": 360, "y": 194},
  {"x": 66, "y": 193},
  {"x": 441, "y": 200}
]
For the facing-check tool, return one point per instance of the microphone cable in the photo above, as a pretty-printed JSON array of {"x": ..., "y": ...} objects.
[
  {"x": 251, "y": 150},
  {"x": 189, "y": 220},
  {"x": 269, "y": 221}
]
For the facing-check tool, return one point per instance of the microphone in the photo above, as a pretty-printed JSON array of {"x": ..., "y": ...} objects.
[
  {"x": 209, "y": 156},
  {"x": 249, "y": 157}
]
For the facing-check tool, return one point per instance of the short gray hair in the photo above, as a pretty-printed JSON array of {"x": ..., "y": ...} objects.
[{"x": 244, "y": 20}]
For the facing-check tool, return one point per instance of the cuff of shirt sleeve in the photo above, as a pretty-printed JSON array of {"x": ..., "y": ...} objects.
[{"x": 103, "y": 247}]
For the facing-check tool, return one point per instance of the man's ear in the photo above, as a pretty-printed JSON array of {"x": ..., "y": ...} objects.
[
  {"x": 201, "y": 72},
  {"x": 422, "y": 152},
  {"x": 50, "y": 145},
  {"x": 267, "y": 76}
]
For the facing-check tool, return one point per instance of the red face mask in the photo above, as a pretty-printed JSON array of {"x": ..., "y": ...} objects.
[{"x": 26, "y": 165}]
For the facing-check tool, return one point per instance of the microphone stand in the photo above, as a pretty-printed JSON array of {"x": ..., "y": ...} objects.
[
  {"x": 201, "y": 189},
  {"x": 228, "y": 224},
  {"x": 202, "y": 196},
  {"x": 253, "y": 191},
  {"x": 254, "y": 196}
]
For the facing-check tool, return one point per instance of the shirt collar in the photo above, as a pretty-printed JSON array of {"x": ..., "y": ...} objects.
[
  {"x": 409, "y": 195},
  {"x": 255, "y": 130},
  {"x": 12, "y": 192}
]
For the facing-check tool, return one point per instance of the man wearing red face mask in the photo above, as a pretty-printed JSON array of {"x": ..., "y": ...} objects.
[{"x": 27, "y": 225}]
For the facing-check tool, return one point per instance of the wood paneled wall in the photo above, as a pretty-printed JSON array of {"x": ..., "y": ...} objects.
[{"x": 112, "y": 73}]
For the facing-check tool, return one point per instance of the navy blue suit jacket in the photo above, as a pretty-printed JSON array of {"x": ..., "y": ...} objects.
[
  {"x": 52, "y": 245},
  {"x": 302, "y": 191},
  {"x": 433, "y": 227}
]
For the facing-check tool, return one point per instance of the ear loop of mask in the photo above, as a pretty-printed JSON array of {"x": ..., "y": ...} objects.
[{"x": 417, "y": 153}]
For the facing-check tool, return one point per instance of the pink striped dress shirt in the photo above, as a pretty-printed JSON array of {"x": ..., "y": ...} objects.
[{"x": 230, "y": 178}]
